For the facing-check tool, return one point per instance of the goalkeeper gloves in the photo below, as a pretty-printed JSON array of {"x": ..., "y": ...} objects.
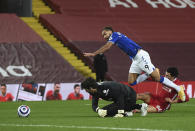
[
  {"x": 120, "y": 113},
  {"x": 96, "y": 110},
  {"x": 102, "y": 113}
]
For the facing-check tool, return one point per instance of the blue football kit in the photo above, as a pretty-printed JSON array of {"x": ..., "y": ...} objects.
[{"x": 124, "y": 43}]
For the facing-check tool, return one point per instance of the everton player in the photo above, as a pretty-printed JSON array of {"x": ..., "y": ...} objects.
[
  {"x": 163, "y": 100},
  {"x": 141, "y": 59},
  {"x": 123, "y": 97}
]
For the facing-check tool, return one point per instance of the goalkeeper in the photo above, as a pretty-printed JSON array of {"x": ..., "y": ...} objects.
[{"x": 123, "y": 97}]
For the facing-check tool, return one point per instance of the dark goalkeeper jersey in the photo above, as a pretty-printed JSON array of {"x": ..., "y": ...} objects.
[{"x": 113, "y": 91}]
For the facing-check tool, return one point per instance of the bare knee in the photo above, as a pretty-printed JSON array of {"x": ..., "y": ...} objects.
[
  {"x": 157, "y": 79},
  {"x": 132, "y": 78},
  {"x": 155, "y": 75},
  {"x": 131, "y": 81}
]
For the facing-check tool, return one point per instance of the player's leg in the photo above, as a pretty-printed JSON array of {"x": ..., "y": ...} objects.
[
  {"x": 144, "y": 77},
  {"x": 112, "y": 109},
  {"x": 130, "y": 105},
  {"x": 156, "y": 76},
  {"x": 134, "y": 71},
  {"x": 152, "y": 109},
  {"x": 150, "y": 99},
  {"x": 146, "y": 65},
  {"x": 102, "y": 76},
  {"x": 132, "y": 78},
  {"x": 98, "y": 79}
]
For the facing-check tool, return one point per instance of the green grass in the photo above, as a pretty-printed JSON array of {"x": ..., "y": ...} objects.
[{"x": 78, "y": 115}]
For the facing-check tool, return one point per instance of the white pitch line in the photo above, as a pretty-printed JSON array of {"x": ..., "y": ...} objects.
[{"x": 88, "y": 127}]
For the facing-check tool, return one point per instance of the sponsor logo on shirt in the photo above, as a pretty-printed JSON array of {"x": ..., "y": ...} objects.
[{"x": 106, "y": 92}]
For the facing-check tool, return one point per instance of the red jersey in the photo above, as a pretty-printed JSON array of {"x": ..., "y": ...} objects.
[
  {"x": 72, "y": 96},
  {"x": 7, "y": 97},
  {"x": 29, "y": 88},
  {"x": 50, "y": 96},
  {"x": 159, "y": 102}
]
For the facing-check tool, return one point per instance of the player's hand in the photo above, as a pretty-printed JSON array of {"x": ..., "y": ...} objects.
[
  {"x": 168, "y": 100},
  {"x": 119, "y": 115},
  {"x": 88, "y": 54},
  {"x": 102, "y": 113}
]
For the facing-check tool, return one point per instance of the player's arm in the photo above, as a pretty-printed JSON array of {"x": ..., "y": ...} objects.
[
  {"x": 121, "y": 103},
  {"x": 171, "y": 101},
  {"x": 95, "y": 103},
  {"x": 103, "y": 49}
]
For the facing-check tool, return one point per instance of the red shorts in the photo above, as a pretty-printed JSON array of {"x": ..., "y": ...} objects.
[{"x": 158, "y": 102}]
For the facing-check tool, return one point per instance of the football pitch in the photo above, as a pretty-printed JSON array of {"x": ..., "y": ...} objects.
[{"x": 78, "y": 116}]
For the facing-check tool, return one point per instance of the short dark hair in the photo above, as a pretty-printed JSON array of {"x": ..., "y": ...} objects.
[
  {"x": 76, "y": 85},
  {"x": 173, "y": 71},
  {"x": 89, "y": 83},
  {"x": 3, "y": 85},
  {"x": 108, "y": 28}
]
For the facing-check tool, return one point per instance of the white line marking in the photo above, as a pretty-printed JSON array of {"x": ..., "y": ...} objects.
[{"x": 88, "y": 127}]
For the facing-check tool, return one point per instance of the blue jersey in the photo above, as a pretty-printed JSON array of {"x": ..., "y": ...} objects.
[{"x": 124, "y": 43}]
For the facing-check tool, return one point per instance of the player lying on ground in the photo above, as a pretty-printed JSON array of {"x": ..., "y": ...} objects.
[
  {"x": 141, "y": 59},
  {"x": 167, "y": 96},
  {"x": 123, "y": 97}
]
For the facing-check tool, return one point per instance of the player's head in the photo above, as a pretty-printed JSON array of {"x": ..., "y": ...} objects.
[
  {"x": 89, "y": 85},
  {"x": 171, "y": 73},
  {"x": 57, "y": 88},
  {"x": 77, "y": 89},
  {"x": 3, "y": 88},
  {"x": 107, "y": 32}
]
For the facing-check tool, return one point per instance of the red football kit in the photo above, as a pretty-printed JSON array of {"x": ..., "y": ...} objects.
[
  {"x": 50, "y": 96},
  {"x": 72, "y": 96},
  {"x": 158, "y": 101},
  {"x": 7, "y": 97}
]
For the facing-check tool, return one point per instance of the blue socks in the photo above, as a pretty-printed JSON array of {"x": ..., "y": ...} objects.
[
  {"x": 134, "y": 83},
  {"x": 161, "y": 79}
]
